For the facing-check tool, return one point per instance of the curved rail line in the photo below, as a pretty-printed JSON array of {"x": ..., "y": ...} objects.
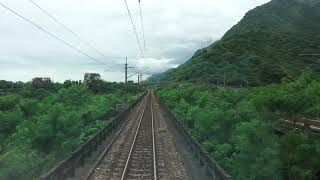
[{"x": 144, "y": 104}]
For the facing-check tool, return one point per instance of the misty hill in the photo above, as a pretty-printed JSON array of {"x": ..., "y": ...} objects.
[
  {"x": 160, "y": 76},
  {"x": 264, "y": 47}
]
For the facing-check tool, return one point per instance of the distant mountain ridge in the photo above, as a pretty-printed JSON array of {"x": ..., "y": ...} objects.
[
  {"x": 264, "y": 47},
  {"x": 160, "y": 76}
]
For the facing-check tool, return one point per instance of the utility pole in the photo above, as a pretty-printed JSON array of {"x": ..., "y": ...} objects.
[
  {"x": 126, "y": 72},
  {"x": 138, "y": 78},
  {"x": 126, "y": 80}
]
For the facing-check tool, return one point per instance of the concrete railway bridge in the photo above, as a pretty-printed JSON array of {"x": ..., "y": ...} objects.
[{"x": 143, "y": 142}]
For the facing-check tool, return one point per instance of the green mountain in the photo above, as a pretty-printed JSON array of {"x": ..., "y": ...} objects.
[{"x": 268, "y": 45}]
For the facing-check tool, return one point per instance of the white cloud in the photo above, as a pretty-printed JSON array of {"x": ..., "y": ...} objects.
[{"x": 174, "y": 30}]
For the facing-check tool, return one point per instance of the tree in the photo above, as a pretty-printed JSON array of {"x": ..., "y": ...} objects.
[
  {"x": 300, "y": 152},
  {"x": 9, "y": 120},
  {"x": 69, "y": 83},
  {"x": 257, "y": 155},
  {"x": 94, "y": 82},
  {"x": 91, "y": 78},
  {"x": 9, "y": 102}
]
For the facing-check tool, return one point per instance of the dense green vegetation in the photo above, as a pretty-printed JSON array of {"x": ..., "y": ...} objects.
[
  {"x": 42, "y": 123},
  {"x": 10, "y": 85},
  {"x": 237, "y": 127},
  {"x": 262, "y": 48}
]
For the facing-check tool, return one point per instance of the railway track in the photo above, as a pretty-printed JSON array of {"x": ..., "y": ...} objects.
[
  {"x": 142, "y": 146},
  {"x": 133, "y": 154}
]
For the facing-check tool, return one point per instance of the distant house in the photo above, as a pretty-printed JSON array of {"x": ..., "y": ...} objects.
[
  {"x": 41, "y": 79},
  {"x": 42, "y": 82}
]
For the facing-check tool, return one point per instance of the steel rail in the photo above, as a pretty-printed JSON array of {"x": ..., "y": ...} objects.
[
  {"x": 132, "y": 146},
  {"x": 153, "y": 144},
  {"x": 116, "y": 137}
]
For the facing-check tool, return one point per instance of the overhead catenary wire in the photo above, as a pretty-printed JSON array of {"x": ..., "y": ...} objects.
[
  {"x": 51, "y": 34},
  {"x": 143, "y": 32},
  {"x": 134, "y": 27},
  {"x": 69, "y": 30}
]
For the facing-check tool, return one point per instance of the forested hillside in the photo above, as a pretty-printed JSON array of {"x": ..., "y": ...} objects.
[
  {"x": 43, "y": 122},
  {"x": 266, "y": 46}
]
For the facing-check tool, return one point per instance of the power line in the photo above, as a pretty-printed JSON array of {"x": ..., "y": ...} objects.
[
  {"x": 134, "y": 27},
  {"x": 143, "y": 33},
  {"x": 309, "y": 54},
  {"x": 49, "y": 33},
  {"x": 67, "y": 28}
]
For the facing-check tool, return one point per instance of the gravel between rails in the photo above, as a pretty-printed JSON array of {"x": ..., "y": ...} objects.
[
  {"x": 169, "y": 163},
  {"x": 140, "y": 164},
  {"x": 112, "y": 163}
]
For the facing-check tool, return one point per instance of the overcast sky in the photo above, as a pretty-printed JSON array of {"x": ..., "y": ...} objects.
[{"x": 174, "y": 30}]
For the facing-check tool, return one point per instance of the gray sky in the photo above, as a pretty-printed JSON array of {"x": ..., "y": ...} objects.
[{"x": 174, "y": 30}]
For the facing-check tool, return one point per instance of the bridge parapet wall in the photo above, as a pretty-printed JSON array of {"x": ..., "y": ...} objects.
[{"x": 212, "y": 167}]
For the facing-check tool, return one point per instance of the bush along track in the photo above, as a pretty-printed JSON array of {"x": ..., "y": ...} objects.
[{"x": 237, "y": 127}]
